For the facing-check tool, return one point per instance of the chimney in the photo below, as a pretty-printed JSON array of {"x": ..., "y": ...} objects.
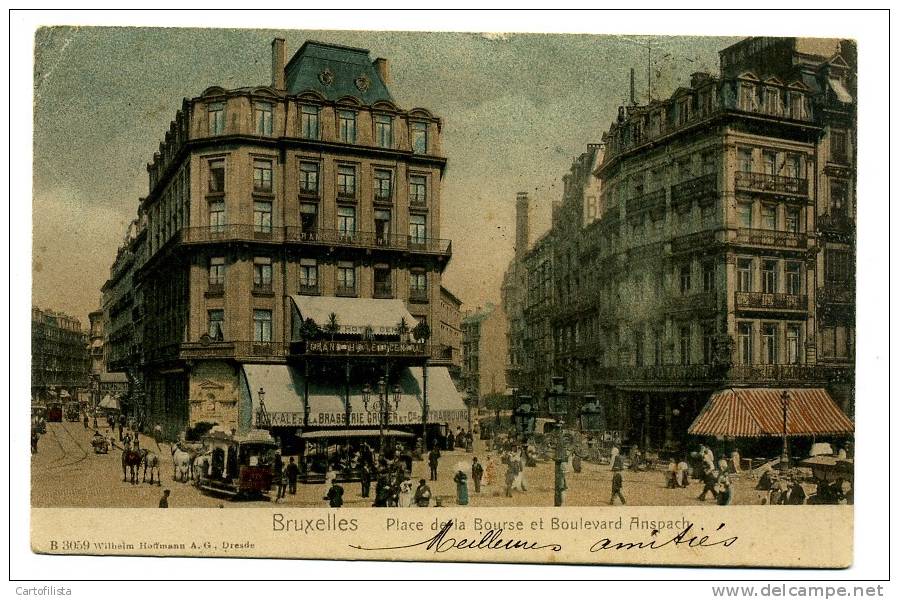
[
  {"x": 633, "y": 92},
  {"x": 383, "y": 69},
  {"x": 522, "y": 229},
  {"x": 278, "y": 63}
]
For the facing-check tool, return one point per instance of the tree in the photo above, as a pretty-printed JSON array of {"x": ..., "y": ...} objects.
[
  {"x": 309, "y": 330},
  {"x": 421, "y": 332},
  {"x": 333, "y": 326},
  {"x": 402, "y": 328}
]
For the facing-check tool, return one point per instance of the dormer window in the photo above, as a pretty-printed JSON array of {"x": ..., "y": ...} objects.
[
  {"x": 262, "y": 115},
  {"x": 772, "y": 101},
  {"x": 419, "y": 137},
  {"x": 309, "y": 122},
  {"x": 384, "y": 131},
  {"x": 216, "y": 116},
  {"x": 346, "y": 126},
  {"x": 747, "y": 97}
]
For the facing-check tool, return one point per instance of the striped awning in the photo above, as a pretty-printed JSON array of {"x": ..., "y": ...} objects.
[{"x": 758, "y": 412}]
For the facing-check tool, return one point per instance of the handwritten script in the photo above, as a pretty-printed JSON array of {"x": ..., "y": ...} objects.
[
  {"x": 491, "y": 540},
  {"x": 682, "y": 539}
]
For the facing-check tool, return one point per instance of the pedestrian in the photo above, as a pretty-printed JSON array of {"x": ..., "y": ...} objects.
[
  {"x": 520, "y": 480},
  {"x": 157, "y": 434},
  {"x": 406, "y": 496},
  {"x": 735, "y": 460},
  {"x": 35, "y": 436},
  {"x": 576, "y": 464},
  {"x": 672, "y": 475},
  {"x": 461, "y": 480},
  {"x": 613, "y": 458},
  {"x": 469, "y": 442},
  {"x": 293, "y": 472},
  {"x": 636, "y": 458},
  {"x": 381, "y": 491},
  {"x": 86, "y": 421},
  {"x": 510, "y": 478},
  {"x": 683, "y": 473},
  {"x": 365, "y": 479},
  {"x": 422, "y": 494},
  {"x": 164, "y": 501},
  {"x": 477, "y": 472},
  {"x": 710, "y": 480},
  {"x": 280, "y": 479},
  {"x": 433, "y": 459},
  {"x": 335, "y": 496},
  {"x": 450, "y": 441},
  {"x": 278, "y": 464},
  {"x": 122, "y": 421},
  {"x": 724, "y": 490},
  {"x": 617, "y": 485}
]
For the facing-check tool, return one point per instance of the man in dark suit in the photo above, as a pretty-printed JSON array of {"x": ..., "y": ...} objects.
[{"x": 433, "y": 459}]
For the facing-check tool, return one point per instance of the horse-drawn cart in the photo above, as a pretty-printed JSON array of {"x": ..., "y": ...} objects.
[{"x": 236, "y": 465}]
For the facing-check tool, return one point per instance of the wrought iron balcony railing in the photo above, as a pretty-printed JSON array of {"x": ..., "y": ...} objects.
[
  {"x": 330, "y": 237},
  {"x": 763, "y": 182},
  {"x": 836, "y": 222},
  {"x": 770, "y": 237},
  {"x": 761, "y": 300},
  {"x": 232, "y": 349},
  {"x": 651, "y": 201},
  {"x": 698, "y": 188},
  {"x": 308, "y": 289}
]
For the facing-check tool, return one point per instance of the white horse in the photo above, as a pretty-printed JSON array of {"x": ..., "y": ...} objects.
[{"x": 182, "y": 462}]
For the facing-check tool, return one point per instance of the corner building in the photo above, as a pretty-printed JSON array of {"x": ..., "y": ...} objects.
[
  {"x": 272, "y": 205},
  {"x": 720, "y": 253}
]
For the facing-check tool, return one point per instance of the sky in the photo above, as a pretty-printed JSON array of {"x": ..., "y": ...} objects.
[{"x": 516, "y": 110}]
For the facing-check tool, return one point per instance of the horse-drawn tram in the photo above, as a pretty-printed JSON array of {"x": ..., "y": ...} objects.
[{"x": 237, "y": 465}]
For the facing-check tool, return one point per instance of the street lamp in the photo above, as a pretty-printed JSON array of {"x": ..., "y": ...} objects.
[
  {"x": 383, "y": 406},
  {"x": 557, "y": 401},
  {"x": 262, "y": 417},
  {"x": 785, "y": 405}
]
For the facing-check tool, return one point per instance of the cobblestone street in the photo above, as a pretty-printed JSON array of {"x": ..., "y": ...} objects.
[{"x": 67, "y": 473}]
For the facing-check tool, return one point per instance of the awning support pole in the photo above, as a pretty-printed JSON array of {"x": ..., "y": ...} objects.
[
  {"x": 347, "y": 394},
  {"x": 424, "y": 406}
]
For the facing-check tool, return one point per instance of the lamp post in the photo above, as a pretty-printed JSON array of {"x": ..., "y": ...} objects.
[
  {"x": 383, "y": 406},
  {"x": 785, "y": 405},
  {"x": 262, "y": 418},
  {"x": 558, "y": 407}
]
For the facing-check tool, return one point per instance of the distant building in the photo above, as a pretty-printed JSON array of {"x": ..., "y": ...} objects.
[
  {"x": 97, "y": 340},
  {"x": 484, "y": 352},
  {"x": 447, "y": 338},
  {"x": 60, "y": 363}
]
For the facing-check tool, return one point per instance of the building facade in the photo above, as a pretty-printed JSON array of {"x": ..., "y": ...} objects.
[
  {"x": 448, "y": 336},
  {"x": 60, "y": 360},
  {"x": 720, "y": 251},
  {"x": 484, "y": 353},
  {"x": 269, "y": 210}
]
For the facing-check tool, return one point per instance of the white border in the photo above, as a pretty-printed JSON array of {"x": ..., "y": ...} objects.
[{"x": 871, "y": 548}]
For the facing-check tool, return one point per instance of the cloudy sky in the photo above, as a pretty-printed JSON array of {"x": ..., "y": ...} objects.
[{"x": 517, "y": 108}]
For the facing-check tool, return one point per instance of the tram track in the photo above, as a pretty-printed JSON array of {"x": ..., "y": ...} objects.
[{"x": 63, "y": 461}]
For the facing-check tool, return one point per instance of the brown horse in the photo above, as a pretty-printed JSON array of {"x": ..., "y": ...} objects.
[{"x": 131, "y": 459}]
